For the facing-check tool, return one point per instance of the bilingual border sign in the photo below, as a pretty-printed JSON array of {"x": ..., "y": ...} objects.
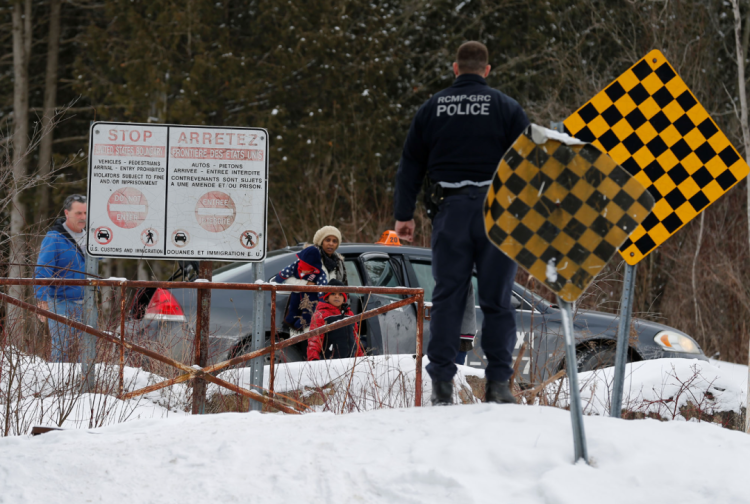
[{"x": 165, "y": 191}]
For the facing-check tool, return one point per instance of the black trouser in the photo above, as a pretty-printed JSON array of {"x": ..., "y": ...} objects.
[{"x": 459, "y": 242}]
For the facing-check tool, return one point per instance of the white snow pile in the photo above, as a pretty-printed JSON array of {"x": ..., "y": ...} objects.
[
  {"x": 36, "y": 392},
  {"x": 663, "y": 387},
  {"x": 360, "y": 384},
  {"x": 475, "y": 453},
  {"x": 383, "y": 451}
]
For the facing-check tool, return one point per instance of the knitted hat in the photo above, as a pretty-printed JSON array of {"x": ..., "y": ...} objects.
[
  {"x": 324, "y": 232},
  {"x": 336, "y": 283}
]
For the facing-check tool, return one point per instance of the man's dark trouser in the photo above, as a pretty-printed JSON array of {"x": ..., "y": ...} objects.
[{"x": 458, "y": 242}]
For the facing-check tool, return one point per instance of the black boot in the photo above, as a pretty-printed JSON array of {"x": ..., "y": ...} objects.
[
  {"x": 442, "y": 393},
  {"x": 498, "y": 392}
]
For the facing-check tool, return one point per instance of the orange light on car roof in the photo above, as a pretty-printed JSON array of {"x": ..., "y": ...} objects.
[{"x": 389, "y": 238}]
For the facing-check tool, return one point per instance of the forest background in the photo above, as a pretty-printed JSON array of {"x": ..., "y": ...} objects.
[{"x": 337, "y": 83}]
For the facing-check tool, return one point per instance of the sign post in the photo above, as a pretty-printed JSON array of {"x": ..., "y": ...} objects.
[
  {"x": 259, "y": 337},
  {"x": 202, "y": 323},
  {"x": 623, "y": 339},
  {"x": 90, "y": 318},
  {"x": 170, "y": 192},
  {"x": 576, "y": 411},
  {"x": 652, "y": 125}
]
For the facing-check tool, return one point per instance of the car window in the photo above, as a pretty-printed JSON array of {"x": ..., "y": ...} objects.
[
  {"x": 381, "y": 274},
  {"x": 352, "y": 274},
  {"x": 424, "y": 278},
  {"x": 423, "y": 270}
]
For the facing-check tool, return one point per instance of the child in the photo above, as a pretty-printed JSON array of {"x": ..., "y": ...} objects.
[
  {"x": 340, "y": 343},
  {"x": 306, "y": 270}
]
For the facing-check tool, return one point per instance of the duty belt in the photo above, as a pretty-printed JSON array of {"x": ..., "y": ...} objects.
[{"x": 452, "y": 191}]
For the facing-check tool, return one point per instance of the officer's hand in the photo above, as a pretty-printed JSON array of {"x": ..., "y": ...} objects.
[
  {"x": 405, "y": 230},
  {"x": 44, "y": 306}
]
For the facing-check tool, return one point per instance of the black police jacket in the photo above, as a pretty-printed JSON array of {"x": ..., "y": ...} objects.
[{"x": 461, "y": 133}]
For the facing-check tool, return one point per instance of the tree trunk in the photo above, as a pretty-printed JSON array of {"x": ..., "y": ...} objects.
[
  {"x": 745, "y": 132},
  {"x": 142, "y": 270},
  {"x": 50, "y": 100},
  {"x": 21, "y": 53}
]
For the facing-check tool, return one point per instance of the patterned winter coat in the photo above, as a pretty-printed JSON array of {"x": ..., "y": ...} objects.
[{"x": 307, "y": 268}]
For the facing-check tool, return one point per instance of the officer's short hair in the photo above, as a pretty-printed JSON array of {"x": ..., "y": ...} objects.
[
  {"x": 472, "y": 57},
  {"x": 73, "y": 198}
]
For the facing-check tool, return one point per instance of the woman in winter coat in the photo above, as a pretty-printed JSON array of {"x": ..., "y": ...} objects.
[
  {"x": 306, "y": 270},
  {"x": 340, "y": 343},
  {"x": 328, "y": 239}
]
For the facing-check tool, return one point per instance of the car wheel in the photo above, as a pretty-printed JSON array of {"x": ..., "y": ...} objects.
[
  {"x": 288, "y": 354},
  {"x": 596, "y": 357}
]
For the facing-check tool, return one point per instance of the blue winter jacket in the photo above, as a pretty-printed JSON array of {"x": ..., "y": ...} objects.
[{"x": 58, "y": 255}]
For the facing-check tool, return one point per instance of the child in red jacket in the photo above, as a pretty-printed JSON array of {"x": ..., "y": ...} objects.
[{"x": 340, "y": 343}]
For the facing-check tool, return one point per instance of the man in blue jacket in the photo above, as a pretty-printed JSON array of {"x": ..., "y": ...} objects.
[
  {"x": 61, "y": 256},
  {"x": 457, "y": 139}
]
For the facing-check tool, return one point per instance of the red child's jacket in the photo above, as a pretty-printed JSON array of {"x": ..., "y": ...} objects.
[{"x": 322, "y": 312}]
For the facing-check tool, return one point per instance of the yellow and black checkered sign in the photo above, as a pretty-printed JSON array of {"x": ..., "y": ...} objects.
[
  {"x": 650, "y": 123},
  {"x": 561, "y": 211}
]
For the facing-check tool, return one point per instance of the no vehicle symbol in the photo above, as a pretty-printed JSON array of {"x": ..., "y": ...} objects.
[
  {"x": 127, "y": 208},
  {"x": 249, "y": 239},
  {"x": 103, "y": 235},
  {"x": 215, "y": 211},
  {"x": 150, "y": 237},
  {"x": 180, "y": 237}
]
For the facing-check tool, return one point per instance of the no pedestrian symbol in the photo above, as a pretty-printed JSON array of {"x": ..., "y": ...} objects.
[
  {"x": 249, "y": 239},
  {"x": 150, "y": 237}
]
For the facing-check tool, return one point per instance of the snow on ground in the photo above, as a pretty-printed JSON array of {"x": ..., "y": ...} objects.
[
  {"x": 36, "y": 392},
  {"x": 461, "y": 454},
  {"x": 663, "y": 386},
  {"x": 42, "y": 393},
  {"x": 384, "y": 450},
  {"x": 363, "y": 383}
]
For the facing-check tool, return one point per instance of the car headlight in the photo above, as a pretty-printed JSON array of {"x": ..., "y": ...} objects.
[{"x": 674, "y": 342}]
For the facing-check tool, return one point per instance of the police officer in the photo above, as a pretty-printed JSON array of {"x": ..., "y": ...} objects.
[{"x": 458, "y": 138}]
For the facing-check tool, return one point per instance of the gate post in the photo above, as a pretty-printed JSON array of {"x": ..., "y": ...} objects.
[
  {"x": 205, "y": 273},
  {"x": 259, "y": 337},
  {"x": 90, "y": 318}
]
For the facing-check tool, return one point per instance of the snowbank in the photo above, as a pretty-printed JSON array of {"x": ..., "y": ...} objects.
[
  {"x": 663, "y": 387},
  {"x": 360, "y": 384},
  {"x": 462, "y": 454}
]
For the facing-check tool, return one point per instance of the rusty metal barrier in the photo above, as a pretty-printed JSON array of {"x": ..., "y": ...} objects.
[{"x": 204, "y": 373}]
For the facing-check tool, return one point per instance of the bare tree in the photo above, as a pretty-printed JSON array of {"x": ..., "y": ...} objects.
[
  {"x": 50, "y": 99},
  {"x": 745, "y": 128},
  {"x": 21, "y": 54}
]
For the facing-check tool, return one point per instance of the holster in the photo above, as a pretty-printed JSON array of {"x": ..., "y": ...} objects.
[{"x": 433, "y": 196}]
